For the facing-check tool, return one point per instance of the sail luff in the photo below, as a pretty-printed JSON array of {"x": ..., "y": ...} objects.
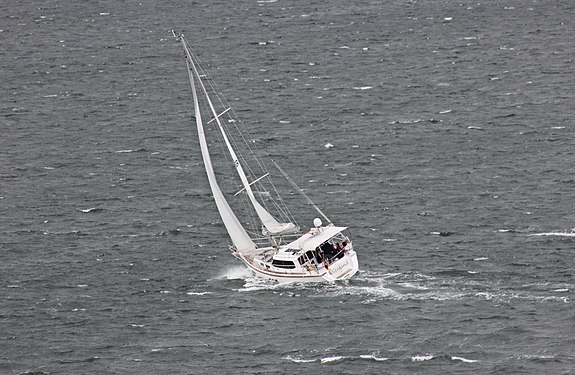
[
  {"x": 236, "y": 231},
  {"x": 269, "y": 222}
]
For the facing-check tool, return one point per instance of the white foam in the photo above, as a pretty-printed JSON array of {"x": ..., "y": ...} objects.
[
  {"x": 363, "y": 88},
  {"x": 235, "y": 273},
  {"x": 335, "y": 358},
  {"x": 464, "y": 359},
  {"x": 298, "y": 359},
  {"x": 255, "y": 283},
  {"x": 421, "y": 358},
  {"x": 198, "y": 293},
  {"x": 331, "y": 359},
  {"x": 564, "y": 234},
  {"x": 373, "y": 357}
]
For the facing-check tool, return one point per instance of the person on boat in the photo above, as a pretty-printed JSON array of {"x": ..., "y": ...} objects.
[
  {"x": 327, "y": 249},
  {"x": 344, "y": 245},
  {"x": 339, "y": 250}
]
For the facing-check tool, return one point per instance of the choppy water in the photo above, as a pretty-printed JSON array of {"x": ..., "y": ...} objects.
[{"x": 452, "y": 126}]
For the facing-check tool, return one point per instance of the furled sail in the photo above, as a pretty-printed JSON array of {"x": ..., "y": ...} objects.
[
  {"x": 236, "y": 231},
  {"x": 271, "y": 225}
]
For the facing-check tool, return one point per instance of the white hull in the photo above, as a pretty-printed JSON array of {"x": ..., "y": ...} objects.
[{"x": 341, "y": 269}]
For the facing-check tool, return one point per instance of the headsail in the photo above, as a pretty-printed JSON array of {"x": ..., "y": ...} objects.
[
  {"x": 271, "y": 225},
  {"x": 236, "y": 231}
]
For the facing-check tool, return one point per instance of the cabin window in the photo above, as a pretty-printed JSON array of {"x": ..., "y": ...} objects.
[
  {"x": 309, "y": 255},
  {"x": 283, "y": 263}
]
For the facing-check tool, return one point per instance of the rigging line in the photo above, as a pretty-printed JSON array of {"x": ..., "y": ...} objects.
[
  {"x": 280, "y": 206},
  {"x": 301, "y": 192},
  {"x": 220, "y": 98},
  {"x": 246, "y": 140},
  {"x": 251, "y": 183},
  {"x": 245, "y": 162},
  {"x": 243, "y": 201},
  {"x": 246, "y": 206},
  {"x": 284, "y": 208},
  {"x": 265, "y": 217},
  {"x": 278, "y": 202},
  {"x": 233, "y": 116}
]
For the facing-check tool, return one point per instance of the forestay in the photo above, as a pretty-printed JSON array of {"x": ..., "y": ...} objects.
[{"x": 238, "y": 234}]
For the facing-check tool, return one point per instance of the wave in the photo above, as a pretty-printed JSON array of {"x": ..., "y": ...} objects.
[
  {"x": 335, "y": 358},
  {"x": 562, "y": 234},
  {"x": 372, "y": 357},
  {"x": 198, "y": 293},
  {"x": 429, "y": 357},
  {"x": 130, "y": 150},
  {"x": 298, "y": 359},
  {"x": 422, "y": 357},
  {"x": 92, "y": 209},
  {"x": 464, "y": 359}
]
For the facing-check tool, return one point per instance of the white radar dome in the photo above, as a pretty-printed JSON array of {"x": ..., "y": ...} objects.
[{"x": 317, "y": 222}]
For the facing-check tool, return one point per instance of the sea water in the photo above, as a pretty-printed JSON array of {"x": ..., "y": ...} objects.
[{"x": 440, "y": 132}]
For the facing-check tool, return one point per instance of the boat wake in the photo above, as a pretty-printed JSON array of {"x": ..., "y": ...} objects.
[
  {"x": 236, "y": 273},
  {"x": 251, "y": 282},
  {"x": 372, "y": 287}
]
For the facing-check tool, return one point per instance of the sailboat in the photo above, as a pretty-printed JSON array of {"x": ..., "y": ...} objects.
[{"x": 267, "y": 240}]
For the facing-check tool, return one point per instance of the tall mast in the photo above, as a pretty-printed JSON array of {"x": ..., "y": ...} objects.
[
  {"x": 271, "y": 224},
  {"x": 236, "y": 231}
]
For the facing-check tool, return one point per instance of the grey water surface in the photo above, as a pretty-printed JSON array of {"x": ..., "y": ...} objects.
[{"x": 452, "y": 163}]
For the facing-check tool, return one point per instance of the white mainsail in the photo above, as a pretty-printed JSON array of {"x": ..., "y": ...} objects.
[
  {"x": 236, "y": 231},
  {"x": 272, "y": 226}
]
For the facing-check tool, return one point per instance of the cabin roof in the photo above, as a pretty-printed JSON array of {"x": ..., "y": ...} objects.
[{"x": 309, "y": 241}]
